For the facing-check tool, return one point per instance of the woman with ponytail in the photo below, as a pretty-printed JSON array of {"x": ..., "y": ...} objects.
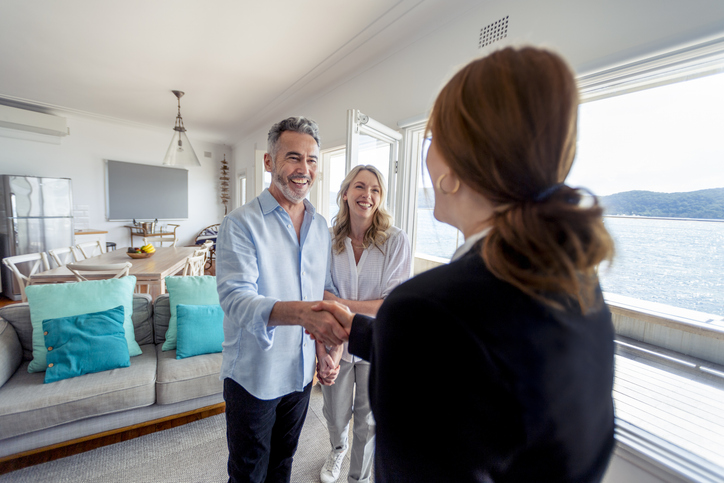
[{"x": 499, "y": 366}]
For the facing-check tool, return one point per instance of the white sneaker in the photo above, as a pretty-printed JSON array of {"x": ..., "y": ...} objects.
[{"x": 333, "y": 465}]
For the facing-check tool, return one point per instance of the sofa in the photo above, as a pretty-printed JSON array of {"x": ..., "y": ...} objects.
[{"x": 156, "y": 385}]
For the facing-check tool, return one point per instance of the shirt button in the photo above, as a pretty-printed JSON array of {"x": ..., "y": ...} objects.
[
  {"x": 50, "y": 348},
  {"x": 50, "y": 365},
  {"x": 302, "y": 274},
  {"x": 45, "y": 333},
  {"x": 289, "y": 226},
  {"x": 305, "y": 298}
]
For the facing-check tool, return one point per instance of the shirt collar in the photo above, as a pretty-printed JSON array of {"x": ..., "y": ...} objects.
[
  {"x": 469, "y": 242},
  {"x": 268, "y": 203}
]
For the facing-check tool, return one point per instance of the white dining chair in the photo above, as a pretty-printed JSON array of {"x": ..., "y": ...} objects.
[
  {"x": 65, "y": 255},
  {"x": 39, "y": 263},
  {"x": 194, "y": 265},
  {"x": 170, "y": 238},
  {"x": 119, "y": 269},
  {"x": 91, "y": 249}
]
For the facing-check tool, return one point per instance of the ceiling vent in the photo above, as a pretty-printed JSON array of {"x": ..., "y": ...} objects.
[
  {"x": 31, "y": 121},
  {"x": 492, "y": 33}
]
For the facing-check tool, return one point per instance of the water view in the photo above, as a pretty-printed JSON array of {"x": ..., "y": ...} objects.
[{"x": 669, "y": 261}]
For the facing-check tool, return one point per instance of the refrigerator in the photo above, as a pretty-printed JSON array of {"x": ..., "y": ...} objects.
[{"x": 36, "y": 215}]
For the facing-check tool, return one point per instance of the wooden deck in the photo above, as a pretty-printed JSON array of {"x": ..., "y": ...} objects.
[{"x": 676, "y": 397}]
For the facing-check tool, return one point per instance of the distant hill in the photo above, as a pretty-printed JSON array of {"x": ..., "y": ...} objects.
[
  {"x": 692, "y": 204},
  {"x": 708, "y": 204}
]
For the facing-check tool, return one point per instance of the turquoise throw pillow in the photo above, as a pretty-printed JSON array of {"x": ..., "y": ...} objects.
[
  {"x": 199, "y": 290},
  {"x": 55, "y": 300},
  {"x": 200, "y": 330},
  {"x": 83, "y": 344}
]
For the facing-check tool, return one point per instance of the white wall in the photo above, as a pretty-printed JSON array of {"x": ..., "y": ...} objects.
[
  {"x": 81, "y": 156},
  {"x": 592, "y": 35}
]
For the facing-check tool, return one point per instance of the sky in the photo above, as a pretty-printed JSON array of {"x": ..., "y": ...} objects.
[{"x": 666, "y": 139}]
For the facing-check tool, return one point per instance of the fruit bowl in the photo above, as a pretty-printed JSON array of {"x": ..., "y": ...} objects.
[{"x": 139, "y": 255}]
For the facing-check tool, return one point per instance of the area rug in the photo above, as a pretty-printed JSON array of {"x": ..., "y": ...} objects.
[{"x": 194, "y": 453}]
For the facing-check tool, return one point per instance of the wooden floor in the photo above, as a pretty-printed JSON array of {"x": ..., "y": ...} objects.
[
  {"x": 6, "y": 301},
  {"x": 672, "y": 397}
]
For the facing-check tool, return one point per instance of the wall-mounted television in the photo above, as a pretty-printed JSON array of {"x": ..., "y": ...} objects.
[{"x": 142, "y": 191}]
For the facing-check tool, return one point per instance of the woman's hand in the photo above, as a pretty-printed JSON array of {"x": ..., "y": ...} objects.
[
  {"x": 340, "y": 312},
  {"x": 330, "y": 296},
  {"x": 327, "y": 370}
]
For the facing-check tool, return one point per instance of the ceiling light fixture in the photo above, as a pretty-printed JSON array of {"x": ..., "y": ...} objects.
[{"x": 180, "y": 152}]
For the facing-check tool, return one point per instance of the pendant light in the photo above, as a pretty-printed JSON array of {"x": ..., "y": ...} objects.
[{"x": 180, "y": 152}]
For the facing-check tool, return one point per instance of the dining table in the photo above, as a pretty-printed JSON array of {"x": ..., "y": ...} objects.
[{"x": 150, "y": 271}]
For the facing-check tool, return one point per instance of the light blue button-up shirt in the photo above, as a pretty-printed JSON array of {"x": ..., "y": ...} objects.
[{"x": 259, "y": 262}]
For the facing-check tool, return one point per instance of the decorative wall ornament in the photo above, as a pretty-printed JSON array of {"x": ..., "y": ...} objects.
[{"x": 224, "y": 184}]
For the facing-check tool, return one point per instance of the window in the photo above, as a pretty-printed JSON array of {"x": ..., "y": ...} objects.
[
  {"x": 370, "y": 142},
  {"x": 241, "y": 192},
  {"x": 654, "y": 157},
  {"x": 334, "y": 165},
  {"x": 432, "y": 239}
]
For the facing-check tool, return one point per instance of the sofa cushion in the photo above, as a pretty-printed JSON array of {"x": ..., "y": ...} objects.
[
  {"x": 161, "y": 316},
  {"x": 18, "y": 315},
  {"x": 11, "y": 354},
  {"x": 183, "y": 379},
  {"x": 67, "y": 299},
  {"x": 142, "y": 323},
  {"x": 84, "y": 344},
  {"x": 27, "y": 405},
  {"x": 197, "y": 290},
  {"x": 200, "y": 330}
]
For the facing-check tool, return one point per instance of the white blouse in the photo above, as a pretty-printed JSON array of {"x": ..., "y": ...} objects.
[{"x": 377, "y": 273}]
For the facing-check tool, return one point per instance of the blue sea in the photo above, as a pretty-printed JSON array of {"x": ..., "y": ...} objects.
[{"x": 669, "y": 261}]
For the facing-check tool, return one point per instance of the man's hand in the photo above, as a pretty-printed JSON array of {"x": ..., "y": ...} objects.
[
  {"x": 323, "y": 327},
  {"x": 340, "y": 312}
]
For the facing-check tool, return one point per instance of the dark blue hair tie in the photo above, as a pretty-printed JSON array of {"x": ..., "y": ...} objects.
[{"x": 548, "y": 192}]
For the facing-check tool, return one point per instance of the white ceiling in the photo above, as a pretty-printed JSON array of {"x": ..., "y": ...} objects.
[{"x": 235, "y": 59}]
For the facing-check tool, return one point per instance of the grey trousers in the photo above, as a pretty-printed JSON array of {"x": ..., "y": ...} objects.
[{"x": 340, "y": 401}]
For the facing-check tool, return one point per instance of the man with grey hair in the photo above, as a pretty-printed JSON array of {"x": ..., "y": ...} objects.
[{"x": 273, "y": 259}]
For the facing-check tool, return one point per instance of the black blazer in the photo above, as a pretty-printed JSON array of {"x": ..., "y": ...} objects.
[{"x": 473, "y": 381}]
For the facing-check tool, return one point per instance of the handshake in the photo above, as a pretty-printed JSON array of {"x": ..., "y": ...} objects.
[{"x": 329, "y": 324}]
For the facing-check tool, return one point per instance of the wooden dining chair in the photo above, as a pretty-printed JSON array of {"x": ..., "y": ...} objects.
[
  {"x": 40, "y": 264},
  {"x": 194, "y": 265},
  {"x": 88, "y": 249},
  {"x": 120, "y": 269},
  {"x": 65, "y": 255}
]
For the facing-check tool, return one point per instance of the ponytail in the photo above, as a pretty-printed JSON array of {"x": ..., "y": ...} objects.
[{"x": 550, "y": 247}]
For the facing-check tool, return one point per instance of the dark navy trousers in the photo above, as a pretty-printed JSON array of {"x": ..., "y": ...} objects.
[{"x": 262, "y": 435}]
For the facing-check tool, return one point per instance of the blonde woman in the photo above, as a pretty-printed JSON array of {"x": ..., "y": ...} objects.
[{"x": 370, "y": 257}]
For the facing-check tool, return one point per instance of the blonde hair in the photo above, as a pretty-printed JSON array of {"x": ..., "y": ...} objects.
[
  {"x": 506, "y": 126},
  {"x": 376, "y": 234}
]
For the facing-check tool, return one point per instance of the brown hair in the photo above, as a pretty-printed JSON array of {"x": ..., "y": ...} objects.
[
  {"x": 377, "y": 232},
  {"x": 506, "y": 126}
]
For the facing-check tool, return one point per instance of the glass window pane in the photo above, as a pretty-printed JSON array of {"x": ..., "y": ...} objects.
[
  {"x": 432, "y": 237},
  {"x": 336, "y": 176},
  {"x": 654, "y": 158},
  {"x": 375, "y": 152}
]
